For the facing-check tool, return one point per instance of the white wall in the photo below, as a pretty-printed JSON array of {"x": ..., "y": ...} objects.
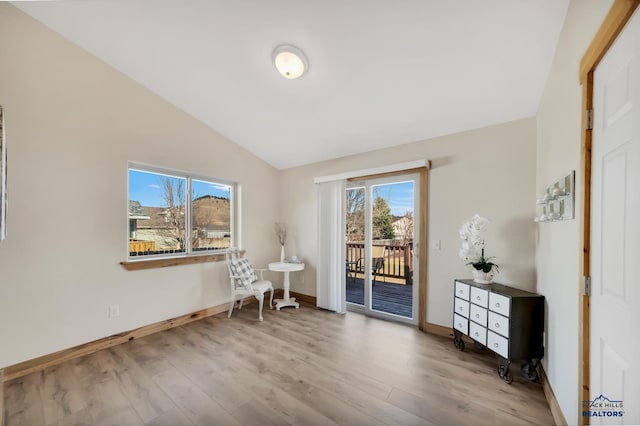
[
  {"x": 558, "y": 246},
  {"x": 488, "y": 171},
  {"x": 72, "y": 123}
]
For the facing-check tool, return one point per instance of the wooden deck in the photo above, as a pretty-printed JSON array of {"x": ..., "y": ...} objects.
[{"x": 391, "y": 298}]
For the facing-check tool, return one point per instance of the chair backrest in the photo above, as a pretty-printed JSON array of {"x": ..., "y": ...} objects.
[
  {"x": 241, "y": 273},
  {"x": 377, "y": 264},
  {"x": 232, "y": 254},
  {"x": 378, "y": 251},
  {"x": 378, "y": 254}
]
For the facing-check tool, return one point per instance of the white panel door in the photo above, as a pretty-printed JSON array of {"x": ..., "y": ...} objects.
[{"x": 615, "y": 232}]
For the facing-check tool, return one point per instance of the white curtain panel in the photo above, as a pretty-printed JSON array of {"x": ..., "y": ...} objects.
[{"x": 330, "y": 275}]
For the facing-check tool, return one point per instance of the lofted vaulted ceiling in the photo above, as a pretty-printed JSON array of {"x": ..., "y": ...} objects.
[{"x": 381, "y": 72}]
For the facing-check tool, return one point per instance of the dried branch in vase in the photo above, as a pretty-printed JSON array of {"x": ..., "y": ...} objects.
[{"x": 281, "y": 232}]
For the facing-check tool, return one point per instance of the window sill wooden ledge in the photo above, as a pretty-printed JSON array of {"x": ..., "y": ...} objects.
[{"x": 137, "y": 265}]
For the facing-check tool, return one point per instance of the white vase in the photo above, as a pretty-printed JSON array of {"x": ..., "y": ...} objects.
[
  {"x": 281, "y": 253},
  {"x": 481, "y": 277}
]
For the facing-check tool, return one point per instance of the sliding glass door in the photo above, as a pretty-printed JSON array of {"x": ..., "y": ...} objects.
[{"x": 381, "y": 247}]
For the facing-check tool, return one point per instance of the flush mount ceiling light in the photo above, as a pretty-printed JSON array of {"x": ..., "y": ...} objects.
[{"x": 290, "y": 61}]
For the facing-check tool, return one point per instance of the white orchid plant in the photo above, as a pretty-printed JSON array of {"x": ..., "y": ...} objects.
[{"x": 472, "y": 251}]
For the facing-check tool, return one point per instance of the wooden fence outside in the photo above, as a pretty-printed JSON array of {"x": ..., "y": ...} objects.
[{"x": 141, "y": 246}]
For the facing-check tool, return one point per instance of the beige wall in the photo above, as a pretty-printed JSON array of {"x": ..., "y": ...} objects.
[
  {"x": 72, "y": 123},
  {"x": 558, "y": 152},
  {"x": 489, "y": 171}
]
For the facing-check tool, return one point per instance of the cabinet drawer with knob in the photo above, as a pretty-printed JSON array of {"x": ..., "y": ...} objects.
[
  {"x": 499, "y": 303},
  {"x": 499, "y": 324},
  {"x": 478, "y": 315},
  {"x": 461, "y": 323},
  {"x": 462, "y": 307},
  {"x": 462, "y": 290},
  {"x": 479, "y": 297},
  {"x": 498, "y": 344},
  {"x": 478, "y": 333}
]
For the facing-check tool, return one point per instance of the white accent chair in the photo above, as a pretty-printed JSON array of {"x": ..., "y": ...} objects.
[{"x": 244, "y": 281}]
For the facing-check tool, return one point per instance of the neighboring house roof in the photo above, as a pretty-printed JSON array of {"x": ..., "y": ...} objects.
[
  {"x": 208, "y": 214},
  {"x": 136, "y": 211}
]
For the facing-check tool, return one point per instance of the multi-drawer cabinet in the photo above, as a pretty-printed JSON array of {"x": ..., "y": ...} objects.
[{"x": 506, "y": 320}]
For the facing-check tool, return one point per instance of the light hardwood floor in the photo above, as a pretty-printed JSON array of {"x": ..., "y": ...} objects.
[{"x": 306, "y": 366}]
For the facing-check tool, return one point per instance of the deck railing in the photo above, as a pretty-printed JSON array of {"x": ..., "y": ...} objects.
[{"x": 397, "y": 259}]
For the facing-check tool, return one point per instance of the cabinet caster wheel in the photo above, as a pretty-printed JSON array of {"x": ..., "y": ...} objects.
[
  {"x": 529, "y": 372},
  {"x": 459, "y": 344},
  {"x": 503, "y": 372}
]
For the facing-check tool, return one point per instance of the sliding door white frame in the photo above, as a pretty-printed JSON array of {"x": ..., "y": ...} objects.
[{"x": 367, "y": 307}]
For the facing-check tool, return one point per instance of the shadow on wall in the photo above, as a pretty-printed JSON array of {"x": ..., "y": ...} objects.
[
  {"x": 520, "y": 271},
  {"x": 441, "y": 162}
]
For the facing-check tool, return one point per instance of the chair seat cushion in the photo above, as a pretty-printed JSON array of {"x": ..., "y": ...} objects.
[{"x": 261, "y": 285}]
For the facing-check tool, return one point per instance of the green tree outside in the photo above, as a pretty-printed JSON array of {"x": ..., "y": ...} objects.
[{"x": 382, "y": 220}]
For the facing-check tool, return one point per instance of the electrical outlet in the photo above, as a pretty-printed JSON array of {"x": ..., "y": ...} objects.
[
  {"x": 436, "y": 244},
  {"x": 114, "y": 311}
]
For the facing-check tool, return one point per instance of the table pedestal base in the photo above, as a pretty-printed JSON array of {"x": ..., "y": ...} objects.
[
  {"x": 281, "y": 303},
  {"x": 285, "y": 268}
]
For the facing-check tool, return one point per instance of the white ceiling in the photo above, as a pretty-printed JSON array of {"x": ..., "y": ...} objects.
[{"x": 381, "y": 72}]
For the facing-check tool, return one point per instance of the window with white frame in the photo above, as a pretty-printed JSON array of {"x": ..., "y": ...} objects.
[{"x": 174, "y": 213}]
